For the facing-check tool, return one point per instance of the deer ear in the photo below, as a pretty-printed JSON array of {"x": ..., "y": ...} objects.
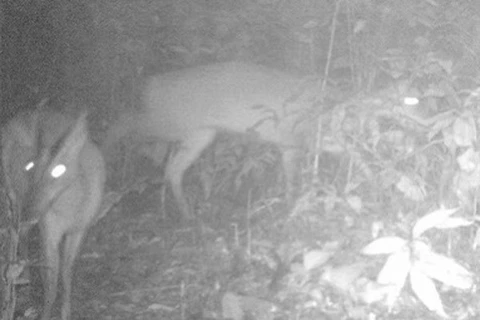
[{"x": 74, "y": 140}]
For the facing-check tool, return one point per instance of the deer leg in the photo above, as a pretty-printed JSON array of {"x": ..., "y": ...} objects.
[
  {"x": 190, "y": 150},
  {"x": 51, "y": 254},
  {"x": 72, "y": 244}
]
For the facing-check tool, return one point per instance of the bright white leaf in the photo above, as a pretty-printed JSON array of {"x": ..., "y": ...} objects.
[
  {"x": 445, "y": 270},
  {"x": 431, "y": 220},
  {"x": 454, "y": 222},
  {"x": 426, "y": 291},
  {"x": 384, "y": 245},
  {"x": 420, "y": 249},
  {"x": 395, "y": 270}
]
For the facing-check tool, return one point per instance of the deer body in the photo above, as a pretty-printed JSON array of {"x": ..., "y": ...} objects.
[{"x": 192, "y": 105}]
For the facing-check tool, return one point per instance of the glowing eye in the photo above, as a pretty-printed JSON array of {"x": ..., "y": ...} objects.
[
  {"x": 411, "y": 101},
  {"x": 29, "y": 166},
  {"x": 58, "y": 171}
]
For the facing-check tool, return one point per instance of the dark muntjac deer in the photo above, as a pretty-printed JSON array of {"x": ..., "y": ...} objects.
[
  {"x": 55, "y": 176},
  {"x": 192, "y": 105}
]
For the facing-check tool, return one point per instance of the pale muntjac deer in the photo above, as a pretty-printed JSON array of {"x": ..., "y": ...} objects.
[
  {"x": 55, "y": 176},
  {"x": 192, "y": 105}
]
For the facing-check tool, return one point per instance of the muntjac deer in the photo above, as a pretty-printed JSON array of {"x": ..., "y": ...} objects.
[
  {"x": 192, "y": 105},
  {"x": 55, "y": 175}
]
